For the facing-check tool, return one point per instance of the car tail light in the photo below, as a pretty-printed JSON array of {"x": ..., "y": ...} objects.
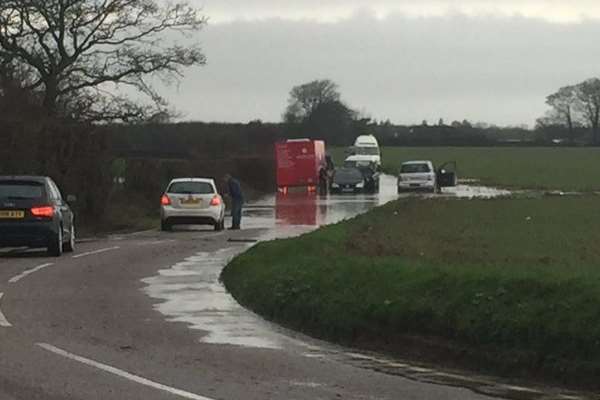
[
  {"x": 216, "y": 201},
  {"x": 43, "y": 212},
  {"x": 165, "y": 200}
]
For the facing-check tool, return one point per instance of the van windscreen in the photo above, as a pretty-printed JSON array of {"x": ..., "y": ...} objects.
[{"x": 367, "y": 151}]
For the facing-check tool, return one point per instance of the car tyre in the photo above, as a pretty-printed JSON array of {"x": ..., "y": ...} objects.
[
  {"x": 165, "y": 226},
  {"x": 220, "y": 225},
  {"x": 55, "y": 247},
  {"x": 69, "y": 247}
]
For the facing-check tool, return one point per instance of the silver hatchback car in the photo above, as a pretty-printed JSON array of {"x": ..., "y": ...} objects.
[{"x": 192, "y": 201}]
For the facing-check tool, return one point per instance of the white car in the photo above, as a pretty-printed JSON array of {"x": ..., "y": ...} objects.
[
  {"x": 417, "y": 175},
  {"x": 192, "y": 201}
]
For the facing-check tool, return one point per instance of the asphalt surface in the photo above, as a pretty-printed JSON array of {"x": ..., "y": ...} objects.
[{"x": 143, "y": 316}]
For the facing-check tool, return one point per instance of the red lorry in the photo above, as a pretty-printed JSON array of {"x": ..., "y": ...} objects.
[{"x": 302, "y": 163}]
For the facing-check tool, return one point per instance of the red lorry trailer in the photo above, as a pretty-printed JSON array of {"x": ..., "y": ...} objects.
[{"x": 301, "y": 163}]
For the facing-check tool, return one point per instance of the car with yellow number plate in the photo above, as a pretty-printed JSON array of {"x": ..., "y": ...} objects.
[
  {"x": 192, "y": 201},
  {"x": 34, "y": 214}
]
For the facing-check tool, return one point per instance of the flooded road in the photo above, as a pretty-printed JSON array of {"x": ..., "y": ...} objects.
[
  {"x": 190, "y": 291},
  {"x": 283, "y": 214}
]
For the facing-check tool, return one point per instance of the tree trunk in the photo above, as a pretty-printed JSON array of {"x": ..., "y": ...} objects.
[
  {"x": 571, "y": 132},
  {"x": 51, "y": 97},
  {"x": 595, "y": 123}
]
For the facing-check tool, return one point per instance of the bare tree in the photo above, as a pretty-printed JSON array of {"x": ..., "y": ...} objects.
[
  {"x": 306, "y": 99},
  {"x": 564, "y": 103},
  {"x": 588, "y": 94},
  {"x": 78, "y": 53},
  {"x": 550, "y": 119}
]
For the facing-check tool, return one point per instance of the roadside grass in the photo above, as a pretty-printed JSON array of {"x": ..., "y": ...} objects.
[
  {"x": 125, "y": 212},
  {"x": 566, "y": 169},
  {"x": 504, "y": 285}
]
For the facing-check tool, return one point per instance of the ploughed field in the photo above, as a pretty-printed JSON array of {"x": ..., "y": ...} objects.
[
  {"x": 504, "y": 285},
  {"x": 567, "y": 169}
]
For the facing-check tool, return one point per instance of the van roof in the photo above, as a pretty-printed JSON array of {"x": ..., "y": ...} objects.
[{"x": 369, "y": 140}]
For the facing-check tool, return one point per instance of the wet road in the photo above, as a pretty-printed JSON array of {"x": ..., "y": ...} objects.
[{"x": 143, "y": 316}]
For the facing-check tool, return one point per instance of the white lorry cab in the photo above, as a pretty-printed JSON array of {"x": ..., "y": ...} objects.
[{"x": 365, "y": 149}]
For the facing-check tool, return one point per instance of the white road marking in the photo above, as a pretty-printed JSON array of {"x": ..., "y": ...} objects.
[
  {"x": 3, "y": 321},
  {"x": 22, "y": 275},
  {"x": 157, "y": 242},
  {"x": 91, "y": 253},
  {"x": 123, "y": 374},
  {"x": 142, "y": 232}
]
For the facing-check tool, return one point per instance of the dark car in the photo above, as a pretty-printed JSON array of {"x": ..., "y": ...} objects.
[
  {"x": 34, "y": 214},
  {"x": 353, "y": 180}
]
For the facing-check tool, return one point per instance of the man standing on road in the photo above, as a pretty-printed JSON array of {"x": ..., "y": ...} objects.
[{"x": 237, "y": 200}]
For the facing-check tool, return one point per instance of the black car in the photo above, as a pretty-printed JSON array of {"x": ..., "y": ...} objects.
[
  {"x": 353, "y": 180},
  {"x": 34, "y": 214}
]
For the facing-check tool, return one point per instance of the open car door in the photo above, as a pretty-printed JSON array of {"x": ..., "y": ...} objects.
[{"x": 446, "y": 175}]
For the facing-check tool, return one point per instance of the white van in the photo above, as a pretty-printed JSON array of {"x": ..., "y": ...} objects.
[{"x": 366, "y": 149}]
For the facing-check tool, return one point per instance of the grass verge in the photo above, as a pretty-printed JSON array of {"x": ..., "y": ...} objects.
[
  {"x": 530, "y": 167},
  {"x": 519, "y": 299}
]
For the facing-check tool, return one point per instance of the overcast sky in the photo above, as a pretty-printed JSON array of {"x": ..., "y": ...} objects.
[{"x": 492, "y": 61}]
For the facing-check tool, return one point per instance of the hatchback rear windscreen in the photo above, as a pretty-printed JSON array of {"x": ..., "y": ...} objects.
[
  {"x": 191, "y": 188},
  {"x": 415, "y": 168},
  {"x": 21, "y": 190}
]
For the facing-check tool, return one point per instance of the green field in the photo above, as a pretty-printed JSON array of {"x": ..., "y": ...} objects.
[
  {"x": 531, "y": 168},
  {"x": 509, "y": 285}
]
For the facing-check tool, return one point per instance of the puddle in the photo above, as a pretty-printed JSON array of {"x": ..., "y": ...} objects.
[
  {"x": 191, "y": 293},
  {"x": 471, "y": 192}
]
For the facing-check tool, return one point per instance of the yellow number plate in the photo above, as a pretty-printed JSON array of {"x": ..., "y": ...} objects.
[
  {"x": 191, "y": 201},
  {"x": 12, "y": 214}
]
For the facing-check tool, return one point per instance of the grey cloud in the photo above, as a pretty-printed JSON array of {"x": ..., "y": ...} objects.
[
  {"x": 407, "y": 69},
  {"x": 332, "y": 9}
]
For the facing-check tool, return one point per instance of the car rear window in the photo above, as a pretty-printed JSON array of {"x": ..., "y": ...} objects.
[
  {"x": 191, "y": 188},
  {"x": 21, "y": 190},
  {"x": 415, "y": 168}
]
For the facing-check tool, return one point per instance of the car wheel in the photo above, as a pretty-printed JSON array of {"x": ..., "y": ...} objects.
[
  {"x": 218, "y": 226},
  {"x": 55, "y": 247},
  {"x": 165, "y": 226},
  {"x": 69, "y": 247}
]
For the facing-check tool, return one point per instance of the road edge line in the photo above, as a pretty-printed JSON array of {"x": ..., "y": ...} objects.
[
  {"x": 3, "y": 321},
  {"x": 120, "y": 373},
  {"x": 28, "y": 272},
  {"x": 91, "y": 253}
]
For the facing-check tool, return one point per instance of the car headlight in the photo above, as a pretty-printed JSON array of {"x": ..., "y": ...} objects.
[
  {"x": 360, "y": 185},
  {"x": 430, "y": 178},
  {"x": 335, "y": 185}
]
